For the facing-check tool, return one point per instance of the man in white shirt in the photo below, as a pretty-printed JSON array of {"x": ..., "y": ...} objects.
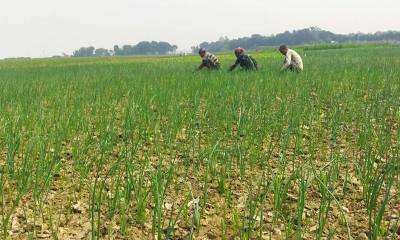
[{"x": 293, "y": 61}]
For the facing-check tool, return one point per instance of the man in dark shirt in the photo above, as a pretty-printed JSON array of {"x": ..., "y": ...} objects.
[
  {"x": 209, "y": 60},
  {"x": 246, "y": 62}
]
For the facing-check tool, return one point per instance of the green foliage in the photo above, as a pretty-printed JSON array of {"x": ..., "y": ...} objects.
[
  {"x": 312, "y": 35},
  {"x": 149, "y": 149}
]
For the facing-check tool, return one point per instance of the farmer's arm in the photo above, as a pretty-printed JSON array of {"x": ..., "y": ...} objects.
[
  {"x": 234, "y": 66},
  {"x": 287, "y": 62},
  {"x": 201, "y": 66}
]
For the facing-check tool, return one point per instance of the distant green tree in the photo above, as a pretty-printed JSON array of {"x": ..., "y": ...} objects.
[
  {"x": 195, "y": 49},
  {"x": 101, "y": 52},
  {"x": 127, "y": 50},
  {"x": 116, "y": 50},
  {"x": 84, "y": 52}
]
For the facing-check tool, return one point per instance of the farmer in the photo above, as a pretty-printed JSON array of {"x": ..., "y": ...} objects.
[
  {"x": 246, "y": 62},
  {"x": 210, "y": 61},
  {"x": 292, "y": 60}
]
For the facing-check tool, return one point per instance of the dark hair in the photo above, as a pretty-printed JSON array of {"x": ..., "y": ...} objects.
[{"x": 283, "y": 47}]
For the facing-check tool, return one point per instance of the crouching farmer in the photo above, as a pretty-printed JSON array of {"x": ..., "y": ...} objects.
[
  {"x": 246, "y": 62},
  {"x": 293, "y": 61},
  {"x": 210, "y": 61}
]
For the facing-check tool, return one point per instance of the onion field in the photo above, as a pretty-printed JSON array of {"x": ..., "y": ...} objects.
[{"x": 142, "y": 148}]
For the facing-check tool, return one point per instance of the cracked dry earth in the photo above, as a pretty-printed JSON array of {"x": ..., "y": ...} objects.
[{"x": 64, "y": 211}]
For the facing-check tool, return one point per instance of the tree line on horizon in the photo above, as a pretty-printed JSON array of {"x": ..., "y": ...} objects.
[
  {"x": 312, "y": 35},
  {"x": 142, "y": 48}
]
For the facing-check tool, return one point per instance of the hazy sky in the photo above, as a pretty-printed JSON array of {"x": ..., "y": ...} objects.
[{"x": 38, "y": 28}]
